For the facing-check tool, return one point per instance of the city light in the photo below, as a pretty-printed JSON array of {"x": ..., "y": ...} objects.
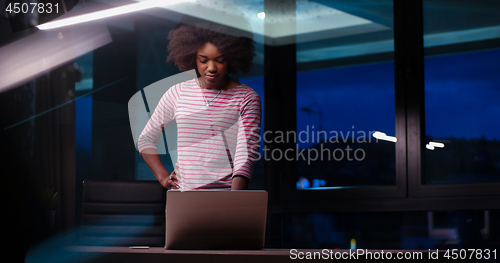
[
  {"x": 436, "y": 144},
  {"x": 432, "y": 145},
  {"x": 382, "y": 136}
]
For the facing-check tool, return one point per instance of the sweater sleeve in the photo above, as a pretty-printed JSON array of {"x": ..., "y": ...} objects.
[
  {"x": 248, "y": 142},
  {"x": 162, "y": 116}
]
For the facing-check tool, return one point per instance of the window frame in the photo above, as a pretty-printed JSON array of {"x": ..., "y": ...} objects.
[{"x": 409, "y": 194}]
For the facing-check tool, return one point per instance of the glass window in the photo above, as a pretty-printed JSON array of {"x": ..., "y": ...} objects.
[
  {"x": 257, "y": 84},
  {"x": 419, "y": 230},
  {"x": 151, "y": 57},
  {"x": 345, "y": 96},
  {"x": 83, "y": 118},
  {"x": 461, "y": 92}
]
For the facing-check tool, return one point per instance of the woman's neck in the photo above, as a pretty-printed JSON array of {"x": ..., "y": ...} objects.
[{"x": 226, "y": 84}]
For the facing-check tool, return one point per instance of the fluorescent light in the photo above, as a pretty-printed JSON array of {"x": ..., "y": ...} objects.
[
  {"x": 108, "y": 13},
  {"x": 382, "y": 136},
  {"x": 430, "y": 147},
  {"x": 261, "y": 15},
  {"x": 436, "y": 144},
  {"x": 33, "y": 55}
]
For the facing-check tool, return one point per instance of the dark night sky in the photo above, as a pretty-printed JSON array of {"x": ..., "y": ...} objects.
[{"x": 462, "y": 94}]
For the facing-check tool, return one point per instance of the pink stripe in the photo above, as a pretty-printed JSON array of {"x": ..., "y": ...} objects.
[{"x": 201, "y": 154}]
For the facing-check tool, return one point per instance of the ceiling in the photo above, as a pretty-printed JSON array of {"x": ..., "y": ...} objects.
[
  {"x": 284, "y": 23},
  {"x": 330, "y": 29},
  {"x": 326, "y": 31}
]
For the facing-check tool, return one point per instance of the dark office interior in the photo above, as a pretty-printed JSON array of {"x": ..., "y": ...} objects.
[{"x": 332, "y": 76}]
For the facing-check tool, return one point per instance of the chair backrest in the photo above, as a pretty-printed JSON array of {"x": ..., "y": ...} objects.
[{"x": 123, "y": 213}]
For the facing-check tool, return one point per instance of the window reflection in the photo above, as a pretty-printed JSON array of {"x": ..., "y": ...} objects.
[
  {"x": 345, "y": 94},
  {"x": 338, "y": 116},
  {"x": 461, "y": 87},
  {"x": 393, "y": 230}
]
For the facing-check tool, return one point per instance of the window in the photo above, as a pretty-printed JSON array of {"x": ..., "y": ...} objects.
[
  {"x": 412, "y": 230},
  {"x": 461, "y": 87},
  {"x": 346, "y": 98}
]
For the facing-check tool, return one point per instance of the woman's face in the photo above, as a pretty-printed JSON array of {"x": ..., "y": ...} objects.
[{"x": 212, "y": 66}]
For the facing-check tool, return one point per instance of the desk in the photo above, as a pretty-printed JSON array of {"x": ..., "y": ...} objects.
[{"x": 159, "y": 254}]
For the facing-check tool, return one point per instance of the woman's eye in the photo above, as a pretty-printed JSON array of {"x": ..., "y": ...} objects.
[
  {"x": 220, "y": 61},
  {"x": 203, "y": 61}
]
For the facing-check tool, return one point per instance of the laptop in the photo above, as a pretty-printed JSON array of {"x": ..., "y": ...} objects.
[{"x": 210, "y": 219}]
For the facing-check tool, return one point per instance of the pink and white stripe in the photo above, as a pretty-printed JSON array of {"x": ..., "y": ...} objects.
[{"x": 214, "y": 143}]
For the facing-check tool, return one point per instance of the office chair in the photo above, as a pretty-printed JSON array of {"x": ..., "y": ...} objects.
[{"x": 123, "y": 213}]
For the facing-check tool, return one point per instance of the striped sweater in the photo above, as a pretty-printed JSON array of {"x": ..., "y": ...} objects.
[{"x": 214, "y": 143}]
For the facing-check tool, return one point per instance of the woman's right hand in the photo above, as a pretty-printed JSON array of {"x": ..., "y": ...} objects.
[
  {"x": 152, "y": 159},
  {"x": 170, "y": 180},
  {"x": 175, "y": 176}
]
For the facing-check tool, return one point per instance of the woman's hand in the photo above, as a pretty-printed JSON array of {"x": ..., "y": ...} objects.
[
  {"x": 174, "y": 179},
  {"x": 170, "y": 180},
  {"x": 239, "y": 183},
  {"x": 175, "y": 176},
  {"x": 152, "y": 159}
]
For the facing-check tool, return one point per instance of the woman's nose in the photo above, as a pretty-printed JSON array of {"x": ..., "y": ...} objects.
[{"x": 211, "y": 67}]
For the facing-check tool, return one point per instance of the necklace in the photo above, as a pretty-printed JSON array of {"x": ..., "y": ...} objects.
[{"x": 207, "y": 103}]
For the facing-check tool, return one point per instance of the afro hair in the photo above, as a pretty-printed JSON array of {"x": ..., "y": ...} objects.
[{"x": 185, "y": 40}]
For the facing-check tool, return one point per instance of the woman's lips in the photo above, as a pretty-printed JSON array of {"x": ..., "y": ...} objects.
[{"x": 211, "y": 77}]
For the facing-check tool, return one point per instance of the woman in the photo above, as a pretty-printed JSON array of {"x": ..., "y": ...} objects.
[{"x": 218, "y": 118}]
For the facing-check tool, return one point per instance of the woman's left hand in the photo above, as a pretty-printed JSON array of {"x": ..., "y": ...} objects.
[{"x": 240, "y": 183}]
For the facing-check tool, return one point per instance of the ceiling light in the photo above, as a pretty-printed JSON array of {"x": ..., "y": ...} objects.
[
  {"x": 261, "y": 15},
  {"x": 108, "y": 13}
]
